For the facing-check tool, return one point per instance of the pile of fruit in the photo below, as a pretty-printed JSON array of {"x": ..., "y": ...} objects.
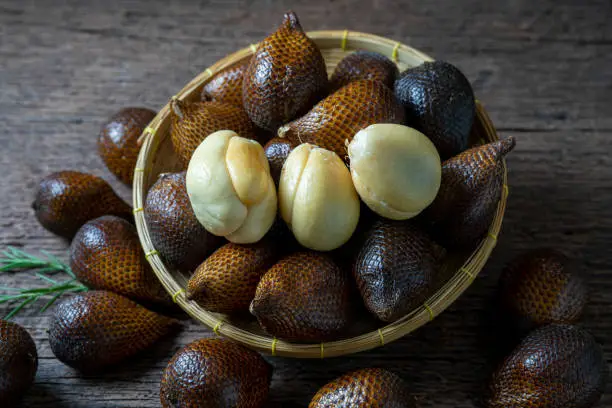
[
  {"x": 303, "y": 200},
  {"x": 320, "y": 185}
]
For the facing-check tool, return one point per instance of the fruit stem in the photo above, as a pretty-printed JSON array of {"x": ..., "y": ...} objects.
[
  {"x": 285, "y": 132},
  {"x": 175, "y": 105},
  {"x": 291, "y": 21},
  {"x": 282, "y": 132}
]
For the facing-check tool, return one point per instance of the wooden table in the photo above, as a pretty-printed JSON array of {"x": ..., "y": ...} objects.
[{"x": 542, "y": 68}]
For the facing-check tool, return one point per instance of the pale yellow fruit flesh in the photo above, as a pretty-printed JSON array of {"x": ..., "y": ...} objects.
[
  {"x": 230, "y": 188},
  {"x": 317, "y": 198},
  {"x": 259, "y": 218},
  {"x": 395, "y": 169},
  {"x": 210, "y": 188},
  {"x": 290, "y": 177},
  {"x": 248, "y": 169}
]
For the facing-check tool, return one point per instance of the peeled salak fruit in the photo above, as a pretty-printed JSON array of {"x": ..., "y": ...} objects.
[
  {"x": 96, "y": 329},
  {"x": 397, "y": 268},
  {"x": 540, "y": 287},
  {"x": 470, "y": 191},
  {"x": 227, "y": 280},
  {"x": 337, "y": 118},
  {"x": 230, "y": 188},
  {"x": 173, "y": 227},
  {"x": 18, "y": 363},
  {"x": 304, "y": 297},
  {"x": 439, "y": 102},
  {"x": 365, "y": 388},
  {"x": 317, "y": 198},
  {"x": 193, "y": 122},
  {"x": 555, "y": 366},
  {"x": 118, "y": 141},
  {"x": 364, "y": 65},
  {"x": 396, "y": 170},
  {"x": 226, "y": 86},
  {"x": 106, "y": 254},
  {"x": 286, "y": 76},
  {"x": 215, "y": 373},
  {"x": 68, "y": 199}
]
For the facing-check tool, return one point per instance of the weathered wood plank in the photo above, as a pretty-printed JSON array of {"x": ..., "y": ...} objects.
[
  {"x": 521, "y": 64},
  {"x": 541, "y": 68}
]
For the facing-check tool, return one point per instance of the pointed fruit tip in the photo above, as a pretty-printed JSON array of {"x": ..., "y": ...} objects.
[
  {"x": 282, "y": 131},
  {"x": 258, "y": 306},
  {"x": 177, "y": 106},
  {"x": 172, "y": 323},
  {"x": 252, "y": 308},
  {"x": 291, "y": 21},
  {"x": 195, "y": 291},
  {"x": 506, "y": 145},
  {"x": 162, "y": 176},
  {"x": 189, "y": 294}
]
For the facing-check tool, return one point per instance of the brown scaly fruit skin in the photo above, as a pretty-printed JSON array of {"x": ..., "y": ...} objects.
[
  {"x": 226, "y": 86},
  {"x": 96, "y": 329},
  {"x": 341, "y": 115},
  {"x": 470, "y": 191},
  {"x": 18, "y": 362},
  {"x": 68, "y": 199},
  {"x": 539, "y": 287},
  {"x": 555, "y": 366},
  {"x": 118, "y": 141},
  {"x": 397, "y": 268},
  {"x": 193, "y": 122},
  {"x": 364, "y": 65},
  {"x": 304, "y": 297},
  {"x": 439, "y": 102},
  {"x": 227, "y": 280},
  {"x": 277, "y": 150},
  {"x": 106, "y": 254},
  {"x": 173, "y": 227},
  {"x": 285, "y": 77},
  {"x": 215, "y": 373},
  {"x": 346, "y": 255},
  {"x": 365, "y": 388}
]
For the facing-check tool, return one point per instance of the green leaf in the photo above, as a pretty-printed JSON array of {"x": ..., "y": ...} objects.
[
  {"x": 15, "y": 260},
  {"x": 51, "y": 301},
  {"x": 18, "y": 308}
]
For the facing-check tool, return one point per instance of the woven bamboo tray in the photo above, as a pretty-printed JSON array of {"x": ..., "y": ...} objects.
[{"x": 157, "y": 156}]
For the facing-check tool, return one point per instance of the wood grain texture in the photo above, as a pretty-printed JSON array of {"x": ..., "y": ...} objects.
[{"x": 542, "y": 69}]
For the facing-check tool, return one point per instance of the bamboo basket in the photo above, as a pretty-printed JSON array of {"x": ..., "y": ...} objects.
[{"x": 157, "y": 156}]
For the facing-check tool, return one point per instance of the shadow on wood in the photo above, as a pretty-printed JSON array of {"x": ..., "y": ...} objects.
[
  {"x": 137, "y": 366},
  {"x": 42, "y": 394}
]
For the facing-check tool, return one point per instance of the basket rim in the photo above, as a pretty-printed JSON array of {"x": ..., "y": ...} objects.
[{"x": 432, "y": 307}]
